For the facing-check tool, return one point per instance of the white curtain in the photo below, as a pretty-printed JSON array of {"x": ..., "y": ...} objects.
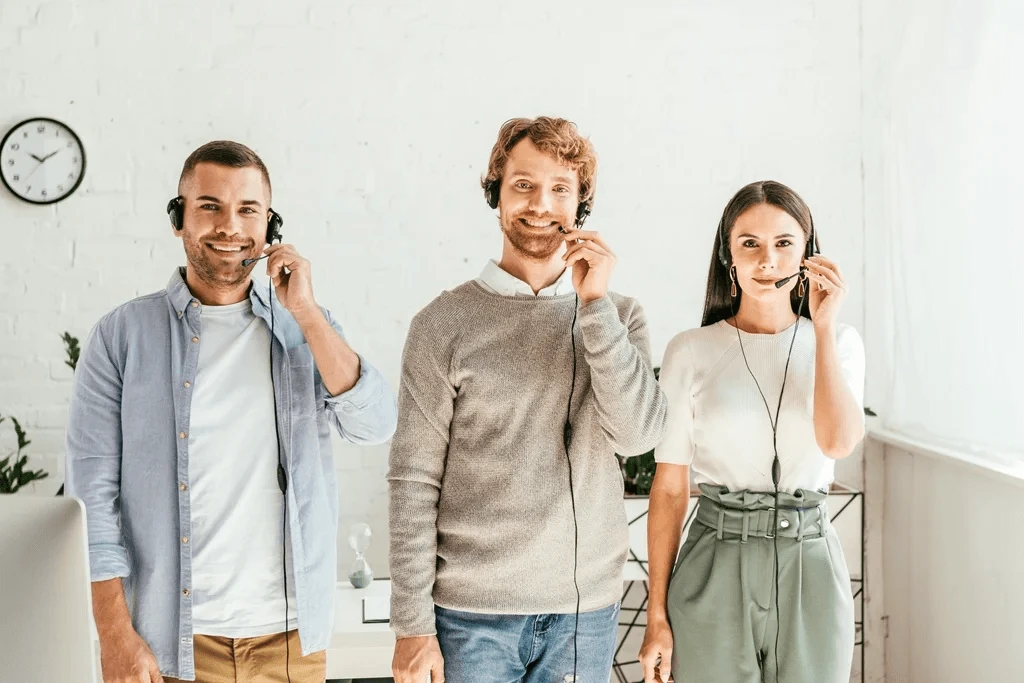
[{"x": 944, "y": 176}]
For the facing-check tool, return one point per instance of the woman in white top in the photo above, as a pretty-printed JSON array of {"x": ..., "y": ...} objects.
[{"x": 763, "y": 398}]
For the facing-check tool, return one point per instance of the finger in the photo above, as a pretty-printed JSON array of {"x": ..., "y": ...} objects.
[
  {"x": 666, "y": 666},
  {"x": 586, "y": 254},
  {"x": 281, "y": 260},
  {"x": 647, "y": 660},
  {"x": 437, "y": 671},
  {"x": 573, "y": 248},
  {"x": 144, "y": 676},
  {"x": 824, "y": 284},
  {"x": 828, "y": 263},
  {"x": 154, "y": 674},
  {"x": 827, "y": 271},
  {"x": 589, "y": 236},
  {"x": 827, "y": 274}
]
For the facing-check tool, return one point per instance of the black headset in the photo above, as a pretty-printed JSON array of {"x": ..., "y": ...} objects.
[
  {"x": 176, "y": 212},
  {"x": 492, "y": 193}
]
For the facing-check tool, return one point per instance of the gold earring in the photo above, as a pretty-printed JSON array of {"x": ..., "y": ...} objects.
[
  {"x": 800, "y": 290},
  {"x": 732, "y": 276}
]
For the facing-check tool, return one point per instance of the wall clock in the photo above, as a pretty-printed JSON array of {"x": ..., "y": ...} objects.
[{"x": 42, "y": 161}]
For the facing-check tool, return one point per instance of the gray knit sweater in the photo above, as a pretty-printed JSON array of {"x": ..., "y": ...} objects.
[{"x": 480, "y": 514}]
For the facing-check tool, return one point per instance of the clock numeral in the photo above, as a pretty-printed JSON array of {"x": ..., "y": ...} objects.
[
  {"x": 60, "y": 188},
  {"x": 74, "y": 160},
  {"x": 71, "y": 176},
  {"x": 25, "y": 134},
  {"x": 58, "y": 132},
  {"x": 43, "y": 193},
  {"x": 17, "y": 178},
  {"x": 10, "y": 162},
  {"x": 69, "y": 143},
  {"x": 28, "y": 189},
  {"x": 15, "y": 147},
  {"x": 41, "y": 128}
]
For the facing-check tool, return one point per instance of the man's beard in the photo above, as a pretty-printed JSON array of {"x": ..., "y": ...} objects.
[
  {"x": 534, "y": 244},
  {"x": 208, "y": 268}
]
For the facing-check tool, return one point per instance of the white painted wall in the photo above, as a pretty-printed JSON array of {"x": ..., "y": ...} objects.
[
  {"x": 376, "y": 120},
  {"x": 953, "y": 563}
]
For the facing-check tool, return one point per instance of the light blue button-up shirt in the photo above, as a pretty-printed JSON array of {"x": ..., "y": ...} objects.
[{"x": 127, "y": 461}]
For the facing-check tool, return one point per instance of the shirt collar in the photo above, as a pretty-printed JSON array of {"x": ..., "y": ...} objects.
[
  {"x": 181, "y": 296},
  {"x": 504, "y": 283}
]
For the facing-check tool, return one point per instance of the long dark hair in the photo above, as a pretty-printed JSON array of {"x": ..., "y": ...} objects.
[{"x": 718, "y": 301}]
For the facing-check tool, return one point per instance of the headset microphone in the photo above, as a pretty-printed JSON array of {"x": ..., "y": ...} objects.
[
  {"x": 246, "y": 262},
  {"x": 779, "y": 283}
]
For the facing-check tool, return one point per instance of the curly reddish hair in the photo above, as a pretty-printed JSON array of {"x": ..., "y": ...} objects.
[{"x": 557, "y": 137}]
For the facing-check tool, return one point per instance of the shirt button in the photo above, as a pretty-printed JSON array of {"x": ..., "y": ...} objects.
[
  {"x": 195, "y": 340},
  {"x": 182, "y": 487},
  {"x": 184, "y": 592},
  {"x": 182, "y": 435},
  {"x": 784, "y": 524},
  {"x": 188, "y": 384},
  {"x": 184, "y": 539},
  {"x": 194, "y": 304}
]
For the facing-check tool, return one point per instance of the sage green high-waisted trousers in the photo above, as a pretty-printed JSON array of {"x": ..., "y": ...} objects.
[{"x": 721, "y": 597}]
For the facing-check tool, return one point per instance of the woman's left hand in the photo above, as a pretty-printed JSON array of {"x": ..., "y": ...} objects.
[{"x": 827, "y": 291}]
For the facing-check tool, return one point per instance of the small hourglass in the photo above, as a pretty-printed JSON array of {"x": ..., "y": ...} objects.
[{"x": 360, "y": 575}]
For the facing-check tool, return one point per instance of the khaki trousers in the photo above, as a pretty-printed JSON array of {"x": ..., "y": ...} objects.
[{"x": 255, "y": 660}]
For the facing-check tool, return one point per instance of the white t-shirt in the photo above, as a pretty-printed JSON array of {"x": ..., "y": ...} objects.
[
  {"x": 717, "y": 421},
  {"x": 237, "y": 506}
]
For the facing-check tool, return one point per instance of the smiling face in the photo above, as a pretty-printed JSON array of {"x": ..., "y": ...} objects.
[
  {"x": 225, "y": 221},
  {"x": 539, "y": 195},
  {"x": 767, "y": 244}
]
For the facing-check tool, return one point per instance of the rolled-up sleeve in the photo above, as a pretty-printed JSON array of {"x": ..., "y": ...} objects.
[{"x": 368, "y": 412}]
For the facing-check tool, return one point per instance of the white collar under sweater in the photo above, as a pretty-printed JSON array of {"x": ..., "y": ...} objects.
[{"x": 498, "y": 281}]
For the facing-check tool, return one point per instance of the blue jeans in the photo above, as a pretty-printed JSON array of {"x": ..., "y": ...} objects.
[{"x": 498, "y": 648}]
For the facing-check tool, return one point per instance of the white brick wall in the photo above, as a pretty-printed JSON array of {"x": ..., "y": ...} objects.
[{"x": 376, "y": 119}]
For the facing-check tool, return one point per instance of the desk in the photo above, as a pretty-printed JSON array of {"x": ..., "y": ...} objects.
[{"x": 359, "y": 650}]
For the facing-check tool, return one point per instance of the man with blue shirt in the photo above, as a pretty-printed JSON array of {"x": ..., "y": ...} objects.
[{"x": 199, "y": 441}]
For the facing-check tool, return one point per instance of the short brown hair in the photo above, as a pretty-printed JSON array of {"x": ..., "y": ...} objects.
[
  {"x": 557, "y": 137},
  {"x": 224, "y": 153}
]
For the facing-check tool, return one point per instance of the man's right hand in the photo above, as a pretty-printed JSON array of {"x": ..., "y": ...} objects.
[
  {"x": 415, "y": 658},
  {"x": 126, "y": 658}
]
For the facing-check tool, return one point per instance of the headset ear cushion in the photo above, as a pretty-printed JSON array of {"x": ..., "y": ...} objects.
[
  {"x": 274, "y": 225},
  {"x": 175, "y": 211},
  {"x": 582, "y": 211},
  {"x": 492, "y": 194}
]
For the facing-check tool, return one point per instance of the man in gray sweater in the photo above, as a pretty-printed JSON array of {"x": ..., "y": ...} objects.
[{"x": 508, "y": 531}]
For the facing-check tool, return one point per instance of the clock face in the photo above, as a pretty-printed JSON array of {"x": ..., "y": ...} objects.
[{"x": 41, "y": 161}]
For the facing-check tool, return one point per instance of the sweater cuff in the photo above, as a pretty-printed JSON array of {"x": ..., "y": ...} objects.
[
  {"x": 408, "y": 624},
  {"x": 600, "y": 319}
]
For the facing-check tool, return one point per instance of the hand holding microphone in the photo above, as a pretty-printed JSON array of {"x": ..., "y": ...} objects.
[
  {"x": 291, "y": 276},
  {"x": 826, "y": 294},
  {"x": 592, "y": 262}
]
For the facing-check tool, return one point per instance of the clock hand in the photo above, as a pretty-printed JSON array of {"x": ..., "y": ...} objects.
[
  {"x": 36, "y": 158},
  {"x": 49, "y": 155},
  {"x": 33, "y": 171}
]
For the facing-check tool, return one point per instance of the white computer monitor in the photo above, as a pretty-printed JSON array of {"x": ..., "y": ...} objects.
[{"x": 46, "y": 631}]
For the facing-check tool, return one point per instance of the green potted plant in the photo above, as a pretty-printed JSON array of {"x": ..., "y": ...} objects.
[
  {"x": 13, "y": 472},
  {"x": 638, "y": 470}
]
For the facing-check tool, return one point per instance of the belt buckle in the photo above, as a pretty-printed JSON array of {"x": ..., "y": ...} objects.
[{"x": 774, "y": 521}]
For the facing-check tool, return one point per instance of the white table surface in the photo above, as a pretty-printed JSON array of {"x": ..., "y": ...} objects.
[{"x": 359, "y": 650}]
